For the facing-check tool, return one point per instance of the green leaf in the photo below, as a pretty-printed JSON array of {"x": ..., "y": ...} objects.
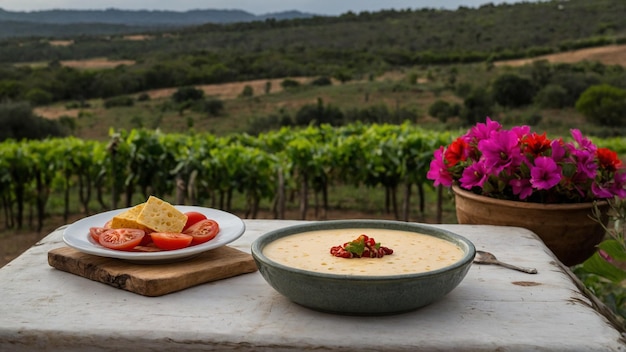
[
  {"x": 599, "y": 266},
  {"x": 613, "y": 248},
  {"x": 356, "y": 247}
]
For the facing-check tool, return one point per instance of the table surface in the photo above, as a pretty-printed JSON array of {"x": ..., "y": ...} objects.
[{"x": 493, "y": 309}]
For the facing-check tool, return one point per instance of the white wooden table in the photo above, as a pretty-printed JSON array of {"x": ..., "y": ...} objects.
[{"x": 493, "y": 309}]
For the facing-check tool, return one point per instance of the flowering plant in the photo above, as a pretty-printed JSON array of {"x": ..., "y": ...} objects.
[{"x": 518, "y": 164}]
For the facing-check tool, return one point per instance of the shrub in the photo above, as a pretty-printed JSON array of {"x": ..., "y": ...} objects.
[
  {"x": 211, "y": 106},
  {"x": 143, "y": 97},
  {"x": 318, "y": 114},
  {"x": 604, "y": 105},
  {"x": 477, "y": 106},
  {"x": 185, "y": 94},
  {"x": 372, "y": 114},
  {"x": 247, "y": 91},
  {"x": 551, "y": 96},
  {"x": 19, "y": 122},
  {"x": 322, "y": 81},
  {"x": 575, "y": 83},
  {"x": 38, "y": 96},
  {"x": 123, "y": 100},
  {"x": 443, "y": 110},
  {"x": 289, "y": 83},
  {"x": 511, "y": 90}
]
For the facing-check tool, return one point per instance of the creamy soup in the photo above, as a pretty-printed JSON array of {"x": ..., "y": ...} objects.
[{"x": 412, "y": 252}]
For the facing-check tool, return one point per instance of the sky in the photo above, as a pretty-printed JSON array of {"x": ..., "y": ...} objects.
[{"x": 256, "y": 7}]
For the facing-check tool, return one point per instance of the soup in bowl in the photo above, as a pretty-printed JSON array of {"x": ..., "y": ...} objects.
[{"x": 426, "y": 264}]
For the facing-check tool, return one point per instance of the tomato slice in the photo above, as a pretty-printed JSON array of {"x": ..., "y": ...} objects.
[
  {"x": 168, "y": 241},
  {"x": 203, "y": 231},
  {"x": 95, "y": 232},
  {"x": 192, "y": 218},
  {"x": 121, "y": 239}
]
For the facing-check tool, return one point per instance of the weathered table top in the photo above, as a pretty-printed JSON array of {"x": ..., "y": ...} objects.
[{"x": 493, "y": 309}]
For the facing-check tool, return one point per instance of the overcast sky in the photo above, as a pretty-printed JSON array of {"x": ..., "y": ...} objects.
[{"x": 257, "y": 7}]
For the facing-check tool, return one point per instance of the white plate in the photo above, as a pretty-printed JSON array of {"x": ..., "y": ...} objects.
[{"x": 77, "y": 236}]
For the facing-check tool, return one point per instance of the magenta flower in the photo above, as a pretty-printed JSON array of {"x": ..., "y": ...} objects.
[
  {"x": 474, "y": 175},
  {"x": 558, "y": 152},
  {"x": 521, "y": 187},
  {"x": 501, "y": 151},
  {"x": 521, "y": 131},
  {"x": 583, "y": 142},
  {"x": 438, "y": 170},
  {"x": 505, "y": 163},
  {"x": 545, "y": 174},
  {"x": 483, "y": 130},
  {"x": 585, "y": 162}
]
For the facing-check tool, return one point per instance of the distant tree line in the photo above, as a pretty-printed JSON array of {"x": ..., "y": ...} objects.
[{"x": 597, "y": 91}]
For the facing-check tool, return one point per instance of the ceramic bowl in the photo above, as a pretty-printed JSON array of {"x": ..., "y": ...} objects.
[{"x": 361, "y": 294}]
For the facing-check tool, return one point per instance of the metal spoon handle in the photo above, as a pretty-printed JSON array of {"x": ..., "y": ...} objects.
[{"x": 518, "y": 268}]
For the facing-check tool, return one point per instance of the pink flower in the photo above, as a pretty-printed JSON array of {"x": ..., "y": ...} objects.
[
  {"x": 521, "y": 187},
  {"x": 483, "y": 130},
  {"x": 474, "y": 175},
  {"x": 519, "y": 164},
  {"x": 438, "y": 170},
  {"x": 501, "y": 151},
  {"x": 585, "y": 162},
  {"x": 583, "y": 142},
  {"x": 545, "y": 174}
]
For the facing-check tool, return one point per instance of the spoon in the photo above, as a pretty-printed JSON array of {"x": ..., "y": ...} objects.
[{"x": 483, "y": 257}]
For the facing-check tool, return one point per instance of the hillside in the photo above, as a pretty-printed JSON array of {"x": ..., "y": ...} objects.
[
  {"x": 436, "y": 54},
  {"x": 66, "y": 23}
]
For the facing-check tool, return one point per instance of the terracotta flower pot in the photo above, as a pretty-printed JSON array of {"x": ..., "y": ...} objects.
[{"x": 567, "y": 229}]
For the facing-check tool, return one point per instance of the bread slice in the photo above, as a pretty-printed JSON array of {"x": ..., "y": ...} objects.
[
  {"x": 161, "y": 216},
  {"x": 128, "y": 219}
]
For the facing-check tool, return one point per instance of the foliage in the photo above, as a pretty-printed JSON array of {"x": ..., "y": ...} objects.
[
  {"x": 604, "y": 273},
  {"x": 476, "y": 105},
  {"x": 511, "y": 90},
  {"x": 551, "y": 96},
  {"x": 142, "y": 162},
  {"x": 318, "y": 114},
  {"x": 604, "y": 105},
  {"x": 443, "y": 110},
  {"x": 289, "y": 83},
  {"x": 118, "y": 101},
  {"x": 522, "y": 165},
  {"x": 352, "y": 47},
  {"x": 321, "y": 81},
  {"x": 19, "y": 122},
  {"x": 187, "y": 94}
]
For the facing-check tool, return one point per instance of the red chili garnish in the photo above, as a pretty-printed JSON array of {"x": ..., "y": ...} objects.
[{"x": 362, "y": 247}]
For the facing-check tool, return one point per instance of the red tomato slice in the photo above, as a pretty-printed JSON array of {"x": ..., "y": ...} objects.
[
  {"x": 203, "y": 231},
  {"x": 168, "y": 241},
  {"x": 121, "y": 239},
  {"x": 95, "y": 232},
  {"x": 192, "y": 218}
]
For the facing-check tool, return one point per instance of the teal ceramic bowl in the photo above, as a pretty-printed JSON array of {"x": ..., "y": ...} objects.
[{"x": 360, "y": 294}]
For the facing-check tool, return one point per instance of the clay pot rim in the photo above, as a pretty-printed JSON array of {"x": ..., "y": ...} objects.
[{"x": 528, "y": 205}]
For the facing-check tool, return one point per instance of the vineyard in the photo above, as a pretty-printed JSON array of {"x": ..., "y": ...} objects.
[{"x": 284, "y": 167}]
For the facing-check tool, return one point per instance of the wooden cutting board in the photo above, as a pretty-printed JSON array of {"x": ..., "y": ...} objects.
[{"x": 154, "y": 279}]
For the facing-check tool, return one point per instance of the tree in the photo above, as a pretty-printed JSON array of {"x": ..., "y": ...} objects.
[
  {"x": 476, "y": 106},
  {"x": 551, "y": 96},
  {"x": 511, "y": 90},
  {"x": 442, "y": 110},
  {"x": 18, "y": 121},
  {"x": 603, "y": 104},
  {"x": 185, "y": 94},
  {"x": 319, "y": 114}
]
